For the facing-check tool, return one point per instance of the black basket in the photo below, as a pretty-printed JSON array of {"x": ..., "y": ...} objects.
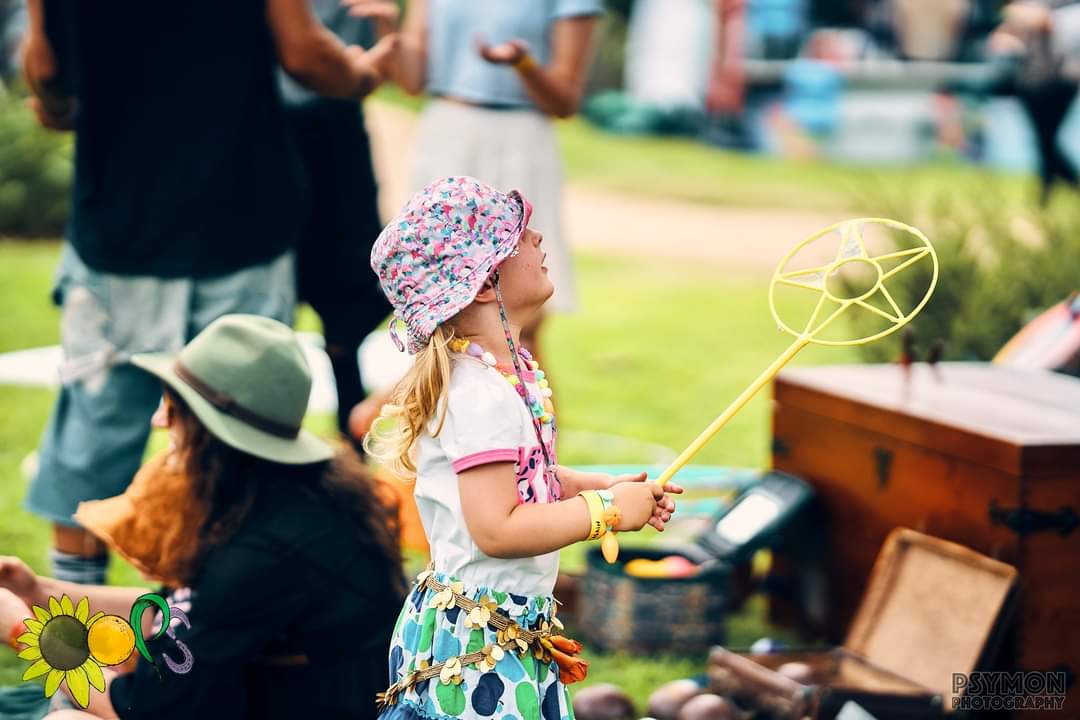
[{"x": 652, "y": 615}]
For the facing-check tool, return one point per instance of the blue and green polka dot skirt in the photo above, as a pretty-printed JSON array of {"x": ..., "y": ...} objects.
[{"x": 518, "y": 688}]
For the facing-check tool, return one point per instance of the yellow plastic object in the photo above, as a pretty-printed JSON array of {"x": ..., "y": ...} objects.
[
  {"x": 609, "y": 546},
  {"x": 646, "y": 568},
  {"x": 852, "y": 250},
  {"x": 672, "y": 566}
]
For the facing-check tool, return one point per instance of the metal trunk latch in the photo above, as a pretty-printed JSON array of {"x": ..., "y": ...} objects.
[{"x": 1022, "y": 520}]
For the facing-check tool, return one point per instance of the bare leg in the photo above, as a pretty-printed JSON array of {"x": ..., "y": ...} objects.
[
  {"x": 71, "y": 715},
  {"x": 76, "y": 541},
  {"x": 78, "y": 556}
]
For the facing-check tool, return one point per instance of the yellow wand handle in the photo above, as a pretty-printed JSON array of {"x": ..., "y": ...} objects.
[
  {"x": 710, "y": 432},
  {"x": 852, "y": 251}
]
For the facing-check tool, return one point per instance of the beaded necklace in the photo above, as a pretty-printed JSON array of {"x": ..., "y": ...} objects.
[
  {"x": 542, "y": 411},
  {"x": 540, "y": 407}
]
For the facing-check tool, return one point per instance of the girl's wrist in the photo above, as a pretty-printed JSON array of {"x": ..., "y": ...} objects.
[
  {"x": 598, "y": 503},
  {"x": 595, "y": 507}
]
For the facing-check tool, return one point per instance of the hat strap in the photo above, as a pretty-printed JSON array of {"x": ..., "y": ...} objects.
[
  {"x": 392, "y": 327},
  {"x": 227, "y": 404},
  {"x": 549, "y": 464}
]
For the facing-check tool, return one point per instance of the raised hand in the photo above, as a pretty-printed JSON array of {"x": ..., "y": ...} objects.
[
  {"x": 374, "y": 64},
  {"x": 507, "y": 53},
  {"x": 53, "y": 110},
  {"x": 384, "y": 14}
]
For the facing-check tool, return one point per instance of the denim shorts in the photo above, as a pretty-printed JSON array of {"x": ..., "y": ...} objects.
[{"x": 96, "y": 436}]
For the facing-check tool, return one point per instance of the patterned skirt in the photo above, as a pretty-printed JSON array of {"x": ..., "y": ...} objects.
[{"x": 504, "y": 685}]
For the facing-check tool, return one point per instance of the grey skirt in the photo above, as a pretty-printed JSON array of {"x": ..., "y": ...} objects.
[{"x": 508, "y": 149}]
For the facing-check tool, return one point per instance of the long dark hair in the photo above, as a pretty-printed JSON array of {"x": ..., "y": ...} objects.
[{"x": 226, "y": 481}]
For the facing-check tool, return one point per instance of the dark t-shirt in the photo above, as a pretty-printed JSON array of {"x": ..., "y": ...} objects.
[
  {"x": 293, "y": 581},
  {"x": 183, "y": 165}
]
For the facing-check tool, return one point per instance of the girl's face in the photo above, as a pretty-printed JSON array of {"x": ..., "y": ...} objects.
[{"x": 523, "y": 277}]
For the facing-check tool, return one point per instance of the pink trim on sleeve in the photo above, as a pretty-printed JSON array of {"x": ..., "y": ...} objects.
[{"x": 485, "y": 457}]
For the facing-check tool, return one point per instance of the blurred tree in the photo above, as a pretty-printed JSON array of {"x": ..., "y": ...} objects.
[
  {"x": 1000, "y": 265},
  {"x": 35, "y": 173}
]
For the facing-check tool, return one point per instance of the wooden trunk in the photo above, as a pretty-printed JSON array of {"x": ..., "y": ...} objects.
[
  {"x": 984, "y": 456},
  {"x": 932, "y": 608}
]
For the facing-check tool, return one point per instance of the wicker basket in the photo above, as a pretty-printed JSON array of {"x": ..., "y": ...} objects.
[{"x": 649, "y": 615}]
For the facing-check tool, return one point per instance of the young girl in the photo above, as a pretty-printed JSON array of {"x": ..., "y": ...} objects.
[{"x": 473, "y": 422}]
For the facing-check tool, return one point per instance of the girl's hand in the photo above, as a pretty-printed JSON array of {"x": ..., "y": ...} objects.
[
  {"x": 665, "y": 505},
  {"x": 17, "y": 577},
  {"x": 637, "y": 504}
]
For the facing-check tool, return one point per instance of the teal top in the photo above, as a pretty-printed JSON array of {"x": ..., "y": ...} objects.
[{"x": 455, "y": 68}]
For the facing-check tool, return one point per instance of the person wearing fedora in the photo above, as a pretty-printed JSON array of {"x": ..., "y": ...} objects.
[{"x": 281, "y": 552}]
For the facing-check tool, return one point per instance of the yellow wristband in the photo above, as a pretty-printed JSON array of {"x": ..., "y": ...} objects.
[
  {"x": 526, "y": 63},
  {"x": 596, "y": 514}
]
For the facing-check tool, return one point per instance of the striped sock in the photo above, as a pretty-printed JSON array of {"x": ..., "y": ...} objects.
[{"x": 78, "y": 569}]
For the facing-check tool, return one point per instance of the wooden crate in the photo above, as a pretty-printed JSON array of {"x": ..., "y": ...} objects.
[
  {"x": 932, "y": 608},
  {"x": 981, "y": 455}
]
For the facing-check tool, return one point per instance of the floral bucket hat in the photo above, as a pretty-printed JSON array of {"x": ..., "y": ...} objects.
[{"x": 433, "y": 258}]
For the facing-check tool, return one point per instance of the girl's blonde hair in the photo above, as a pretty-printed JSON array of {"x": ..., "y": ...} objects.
[{"x": 414, "y": 402}]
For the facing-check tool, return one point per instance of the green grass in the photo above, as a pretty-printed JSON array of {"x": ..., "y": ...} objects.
[
  {"x": 676, "y": 168},
  {"x": 655, "y": 352}
]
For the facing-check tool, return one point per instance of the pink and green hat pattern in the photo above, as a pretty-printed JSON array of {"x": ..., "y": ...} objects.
[{"x": 433, "y": 258}]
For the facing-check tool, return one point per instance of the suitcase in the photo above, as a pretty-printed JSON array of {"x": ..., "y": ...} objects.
[
  {"x": 932, "y": 608},
  {"x": 982, "y": 455}
]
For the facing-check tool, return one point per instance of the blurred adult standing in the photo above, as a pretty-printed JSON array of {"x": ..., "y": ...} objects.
[
  {"x": 187, "y": 202},
  {"x": 342, "y": 223},
  {"x": 496, "y": 74},
  {"x": 1042, "y": 38}
]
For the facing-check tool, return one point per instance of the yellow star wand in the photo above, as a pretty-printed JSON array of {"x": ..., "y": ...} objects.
[{"x": 851, "y": 256}]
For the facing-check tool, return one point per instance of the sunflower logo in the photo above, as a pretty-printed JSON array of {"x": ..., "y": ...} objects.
[{"x": 63, "y": 643}]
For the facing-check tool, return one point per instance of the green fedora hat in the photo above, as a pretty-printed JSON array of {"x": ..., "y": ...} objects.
[{"x": 246, "y": 379}]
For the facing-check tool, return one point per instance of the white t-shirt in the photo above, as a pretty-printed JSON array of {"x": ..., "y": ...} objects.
[{"x": 486, "y": 421}]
